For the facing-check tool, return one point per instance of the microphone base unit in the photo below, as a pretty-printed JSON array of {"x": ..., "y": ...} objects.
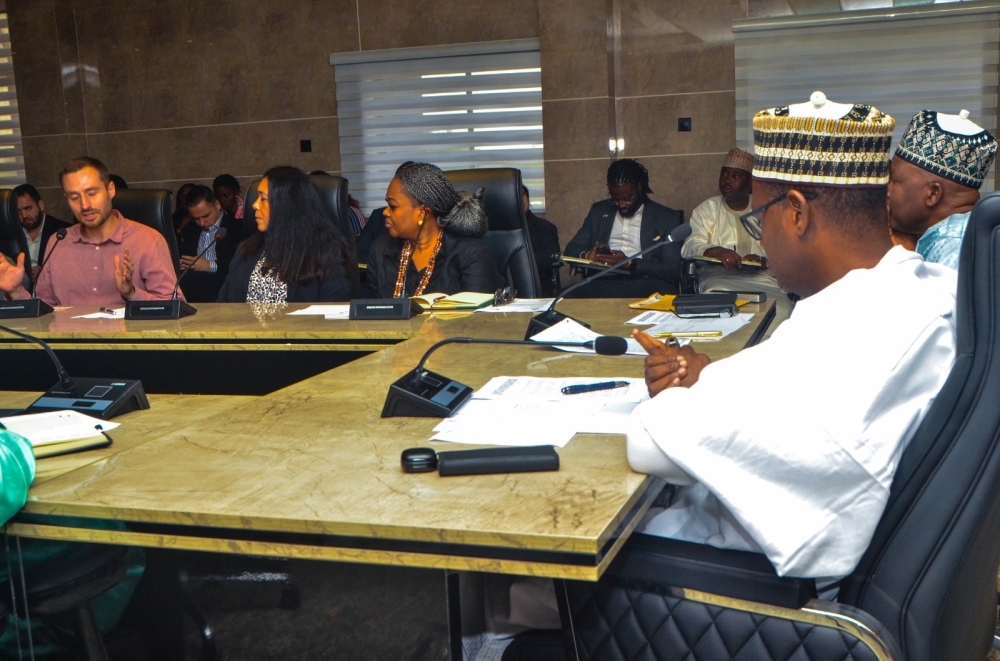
[
  {"x": 32, "y": 307},
  {"x": 100, "y": 398},
  {"x": 429, "y": 395},
  {"x": 548, "y": 319},
  {"x": 372, "y": 309},
  {"x": 172, "y": 309}
]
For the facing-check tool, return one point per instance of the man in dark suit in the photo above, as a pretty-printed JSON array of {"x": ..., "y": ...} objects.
[
  {"x": 38, "y": 226},
  {"x": 544, "y": 243},
  {"x": 623, "y": 225},
  {"x": 210, "y": 270}
]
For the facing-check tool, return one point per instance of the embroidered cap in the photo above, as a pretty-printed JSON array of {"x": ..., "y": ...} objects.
[
  {"x": 738, "y": 159},
  {"x": 823, "y": 144},
  {"x": 950, "y": 146}
]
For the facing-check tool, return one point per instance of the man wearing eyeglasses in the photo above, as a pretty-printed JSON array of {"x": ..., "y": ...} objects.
[{"x": 789, "y": 448}]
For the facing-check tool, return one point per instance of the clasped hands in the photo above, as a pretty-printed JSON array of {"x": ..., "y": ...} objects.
[
  {"x": 195, "y": 263},
  {"x": 669, "y": 366}
]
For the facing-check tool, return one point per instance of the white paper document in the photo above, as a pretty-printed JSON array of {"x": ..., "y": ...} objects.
[
  {"x": 328, "y": 311},
  {"x": 116, "y": 313},
  {"x": 726, "y": 326},
  {"x": 56, "y": 426},
  {"x": 520, "y": 305},
  {"x": 523, "y": 411},
  {"x": 568, "y": 330}
]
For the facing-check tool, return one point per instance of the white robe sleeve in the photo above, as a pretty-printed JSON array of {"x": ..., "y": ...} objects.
[{"x": 704, "y": 222}]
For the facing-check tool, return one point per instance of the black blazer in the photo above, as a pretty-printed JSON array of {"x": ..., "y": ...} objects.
[
  {"x": 544, "y": 243},
  {"x": 657, "y": 222},
  {"x": 51, "y": 226},
  {"x": 201, "y": 287},
  {"x": 332, "y": 288},
  {"x": 463, "y": 264}
]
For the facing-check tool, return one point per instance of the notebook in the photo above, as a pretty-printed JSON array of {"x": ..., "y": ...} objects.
[{"x": 466, "y": 300}]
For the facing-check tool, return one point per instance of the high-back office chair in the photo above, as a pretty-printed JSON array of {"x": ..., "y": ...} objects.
[
  {"x": 924, "y": 590},
  {"x": 12, "y": 241},
  {"x": 508, "y": 234},
  {"x": 152, "y": 207}
]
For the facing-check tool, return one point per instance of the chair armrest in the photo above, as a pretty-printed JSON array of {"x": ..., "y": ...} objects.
[{"x": 662, "y": 562}]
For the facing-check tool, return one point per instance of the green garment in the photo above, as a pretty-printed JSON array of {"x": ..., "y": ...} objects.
[{"x": 17, "y": 471}]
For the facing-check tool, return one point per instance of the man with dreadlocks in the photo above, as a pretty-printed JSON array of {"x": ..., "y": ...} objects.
[{"x": 624, "y": 224}]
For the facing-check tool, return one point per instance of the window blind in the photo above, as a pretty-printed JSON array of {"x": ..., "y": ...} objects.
[
  {"x": 11, "y": 155},
  {"x": 439, "y": 105},
  {"x": 901, "y": 60}
]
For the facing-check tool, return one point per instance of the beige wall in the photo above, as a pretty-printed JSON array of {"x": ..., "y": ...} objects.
[{"x": 168, "y": 91}]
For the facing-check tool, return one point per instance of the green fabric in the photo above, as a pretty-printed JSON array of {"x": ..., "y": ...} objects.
[{"x": 17, "y": 471}]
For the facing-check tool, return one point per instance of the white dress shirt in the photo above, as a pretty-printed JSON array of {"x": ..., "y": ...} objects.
[
  {"x": 34, "y": 245},
  {"x": 792, "y": 445},
  {"x": 625, "y": 233},
  {"x": 714, "y": 224},
  {"x": 204, "y": 239}
]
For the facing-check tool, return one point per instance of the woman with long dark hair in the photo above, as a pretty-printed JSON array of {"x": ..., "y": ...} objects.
[
  {"x": 298, "y": 255},
  {"x": 435, "y": 241}
]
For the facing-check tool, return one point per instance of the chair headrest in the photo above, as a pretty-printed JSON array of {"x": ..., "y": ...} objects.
[
  {"x": 149, "y": 206},
  {"x": 502, "y": 197}
]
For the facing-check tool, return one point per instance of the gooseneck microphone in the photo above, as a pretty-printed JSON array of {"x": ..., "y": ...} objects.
[
  {"x": 60, "y": 235},
  {"x": 30, "y": 307},
  {"x": 551, "y": 317},
  {"x": 100, "y": 398},
  {"x": 423, "y": 393},
  {"x": 174, "y": 308},
  {"x": 65, "y": 382}
]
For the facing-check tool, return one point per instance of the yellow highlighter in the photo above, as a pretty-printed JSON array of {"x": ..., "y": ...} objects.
[{"x": 692, "y": 334}]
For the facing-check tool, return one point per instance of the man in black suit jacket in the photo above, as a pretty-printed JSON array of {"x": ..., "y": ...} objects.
[
  {"x": 38, "y": 226},
  {"x": 209, "y": 271},
  {"x": 622, "y": 225}
]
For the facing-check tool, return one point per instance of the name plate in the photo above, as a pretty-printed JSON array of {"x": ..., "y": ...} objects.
[{"x": 171, "y": 309}]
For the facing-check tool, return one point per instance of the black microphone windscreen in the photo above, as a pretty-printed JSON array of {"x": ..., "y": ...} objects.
[
  {"x": 221, "y": 233},
  {"x": 610, "y": 345},
  {"x": 680, "y": 233},
  {"x": 61, "y": 234}
]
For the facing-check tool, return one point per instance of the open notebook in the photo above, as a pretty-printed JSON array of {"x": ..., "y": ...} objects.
[
  {"x": 466, "y": 300},
  {"x": 60, "y": 432}
]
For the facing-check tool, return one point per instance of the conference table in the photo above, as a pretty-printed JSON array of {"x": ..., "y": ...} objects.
[{"x": 312, "y": 471}]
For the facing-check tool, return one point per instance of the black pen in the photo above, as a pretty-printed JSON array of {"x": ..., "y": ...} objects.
[{"x": 592, "y": 387}]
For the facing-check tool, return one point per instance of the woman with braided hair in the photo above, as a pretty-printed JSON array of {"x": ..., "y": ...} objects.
[{"x": 435, "y": 240}]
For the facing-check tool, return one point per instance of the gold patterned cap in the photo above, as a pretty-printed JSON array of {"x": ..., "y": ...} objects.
[
  {"x": 738, "y": 159},
  {"x": 798, "y": 144}
]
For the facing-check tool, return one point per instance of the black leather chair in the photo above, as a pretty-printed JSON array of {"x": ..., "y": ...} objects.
[
  {"x": 508, "y": 234},
  {"x": 152, "y": 207},
  {"x": 924, "y": 590},
  {"x": 12, "y": 241},
  {"x": 54, "y": 589}
]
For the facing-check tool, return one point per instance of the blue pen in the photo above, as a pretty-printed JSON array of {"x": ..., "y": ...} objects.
[{"x": 592, "y": 387}]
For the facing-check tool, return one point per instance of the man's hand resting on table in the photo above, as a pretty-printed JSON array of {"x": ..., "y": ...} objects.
[{"x": 669, "y": 366}]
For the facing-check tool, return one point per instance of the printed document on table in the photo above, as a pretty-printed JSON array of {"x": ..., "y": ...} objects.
[
  {"x": 727, "y": 325},
  {"x": 520, "y": 305},
  {"x": 116, "y": 313},
  {"x": 328, "y": 311},
  {"x": 56, "y": 426},
  {"x": 550, "y": 389},
  {"x": 568, "y": 330}
]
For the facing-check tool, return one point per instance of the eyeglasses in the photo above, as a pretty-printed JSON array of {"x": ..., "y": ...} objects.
[
  {"x": 504, "y": 295},
  {"x": 752, "y": 219}
]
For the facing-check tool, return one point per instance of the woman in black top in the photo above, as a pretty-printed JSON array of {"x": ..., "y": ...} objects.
[
  {"x": 435, "y": 243},
  {"x": 298, "y": 256}
]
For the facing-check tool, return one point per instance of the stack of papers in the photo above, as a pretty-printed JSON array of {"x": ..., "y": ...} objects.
[
  {"x": 667, "y": 323},
  {"x": 524, "y": 411},
  {"x": 328, "y": 311},
  {"x": 568, "y": 330}
]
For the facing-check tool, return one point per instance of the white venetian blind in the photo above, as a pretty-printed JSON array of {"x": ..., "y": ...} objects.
[
  {"x": 900, "y": 60},
  {"x": 11, "y": 156},
  {"x": 464, "y": 106}
]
